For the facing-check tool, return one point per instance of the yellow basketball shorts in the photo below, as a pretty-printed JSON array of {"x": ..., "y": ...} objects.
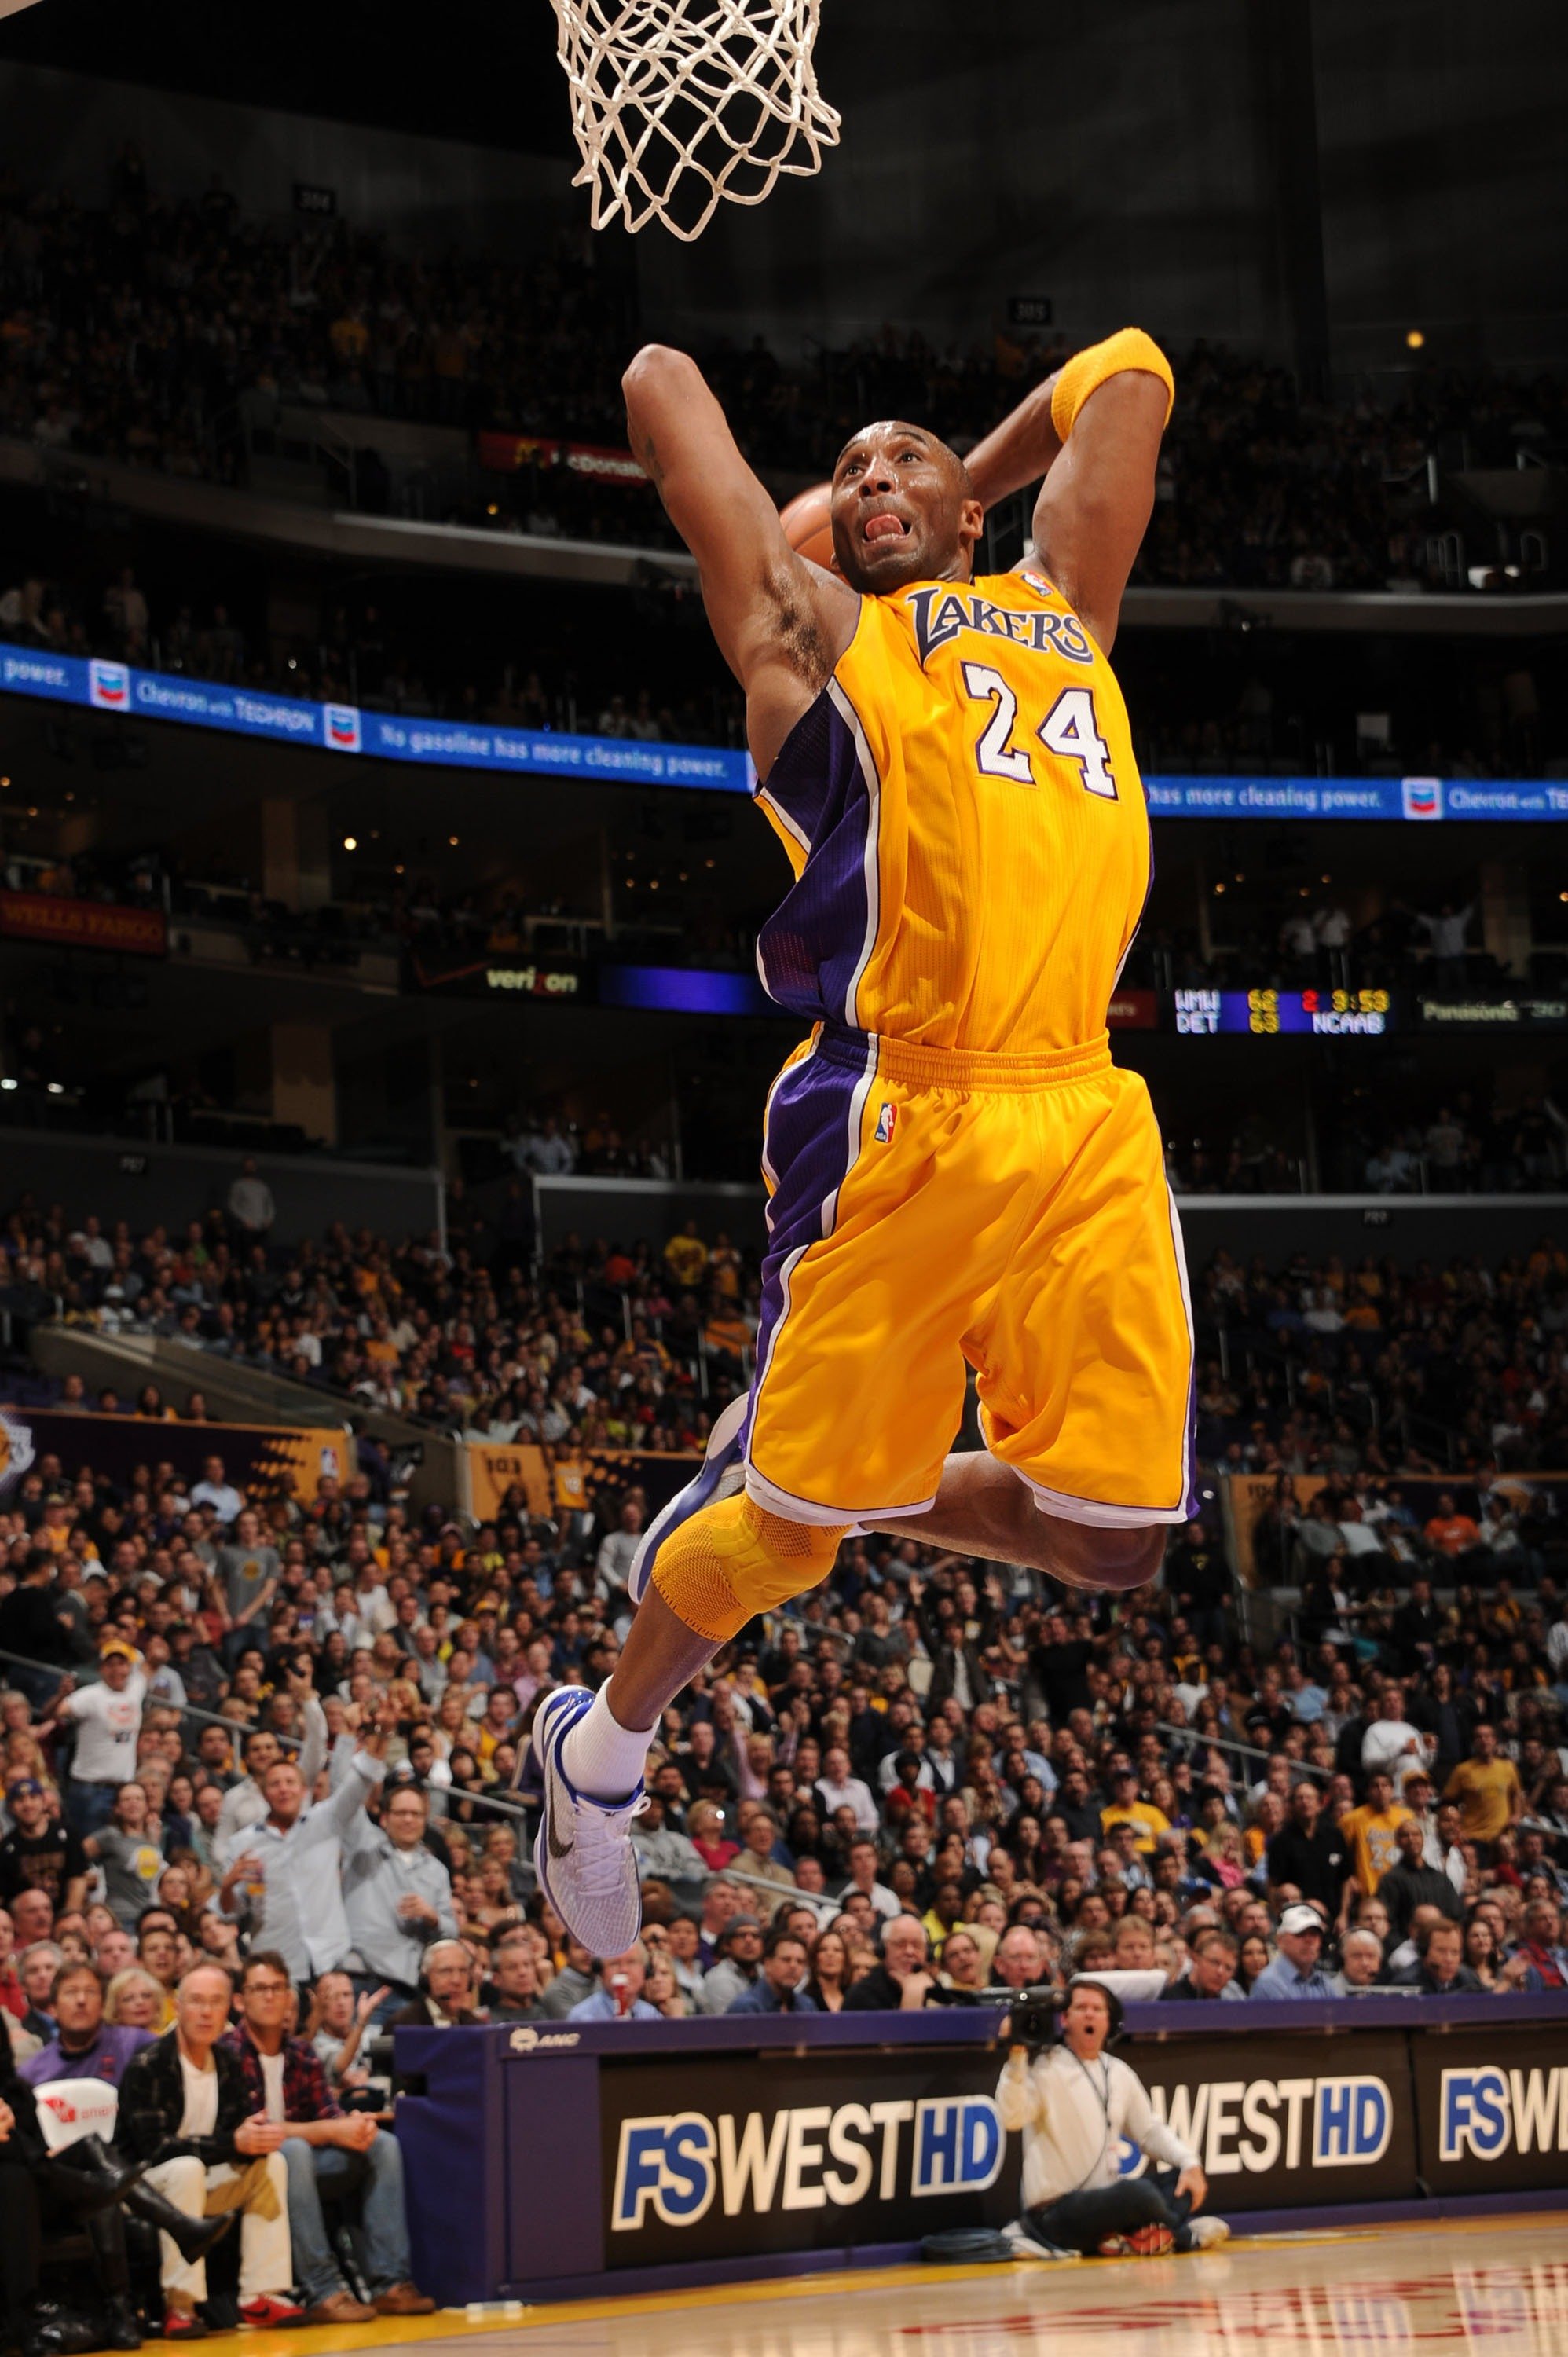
[{"x": 929, "y": 1208}]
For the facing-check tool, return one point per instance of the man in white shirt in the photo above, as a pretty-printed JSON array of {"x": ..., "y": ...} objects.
[
  {"x": 1074, "y": 2104},
  {"x": 245, "y": 1804},
  {"x": 296, "y": 1855},
  {"x": 836, "y": 1788},
  {"x": 183, "y": 2107},
  {"x": 1391, "y": 1743},
  {"x": 863, "y": 1865},
  {"x": 1359, "y": 1535},
  {"x": 215, "y": 1489},
  {"x": 108, "y": 1720}
]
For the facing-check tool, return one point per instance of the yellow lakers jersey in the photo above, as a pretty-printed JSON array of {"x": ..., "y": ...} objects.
[{"x": 966, "y": 823}]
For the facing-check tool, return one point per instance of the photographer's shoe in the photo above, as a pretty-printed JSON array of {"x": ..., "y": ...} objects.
[
  {"x": 1207, "y": 2234},
  {"x": 1030, "y": 2246},
  {"x": 1148, "y": 2243}
]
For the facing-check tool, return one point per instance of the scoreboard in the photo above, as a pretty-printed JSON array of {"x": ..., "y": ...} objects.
[{"x": 1265, "y": 1013}]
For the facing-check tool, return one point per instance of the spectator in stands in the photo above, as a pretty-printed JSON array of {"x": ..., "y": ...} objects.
[
  {"x": 324, "y": 2150},
  {"x": 108, "y": 1720},
  {"x": 1411, "y": 1882},
  {"x": 1440, "y": 1970},
  {"x": 1210, "y": 1975},
  {"x": 574, "y": 1981},
  {"x": 514, "y": 1991},
  {"x": 33, "y": 1625},
  {"x": 738, "y": 1954},
  {"x": 448, "y": 1991},
  {"x": 1297, "y": 1970},
  {"x": 903, "y": 1980},
  {"x": 1543, "y": 1948},
  {"x": 184, "y": 2110},
  {"x": 618, "y": 1994},
  {"x": 1360, "y": 1964},
  {"x": 82, "y": 2046},
  {"x": 397, "y": 1894},
  {"x": 296, "y": 1855},
  {"x": 244, "y": 1803},
  {"x": 39, "y": 1852},
  {"x": 216, "y": 1489},
  {"x": 1308, "y": 1854},
  {"x": 1487, "y": 1787},
  {"x": 781, "y": 1987},
  {"x": 1369, "y": 1831},
  {"x": 662, "y": 1850},
  {"x": 34, "y": 2196}
]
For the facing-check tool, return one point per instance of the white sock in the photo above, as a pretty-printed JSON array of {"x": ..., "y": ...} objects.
[{"x": 601, "y": 1757}]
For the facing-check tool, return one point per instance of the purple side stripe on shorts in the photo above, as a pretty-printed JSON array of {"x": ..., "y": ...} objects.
[{"x": 812, "y": 1138}]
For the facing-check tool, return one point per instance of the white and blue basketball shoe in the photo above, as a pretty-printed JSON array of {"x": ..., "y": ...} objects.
[
  {"x": 582, "y": 1852},
  {"x": 720, "y": 1474}
]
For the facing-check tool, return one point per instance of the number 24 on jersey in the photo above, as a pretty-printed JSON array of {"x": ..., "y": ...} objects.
[{"x": 1068, "y": 729}]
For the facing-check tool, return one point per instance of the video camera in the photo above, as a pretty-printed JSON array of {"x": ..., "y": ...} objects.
[{"x": 1037, "y": 2015}]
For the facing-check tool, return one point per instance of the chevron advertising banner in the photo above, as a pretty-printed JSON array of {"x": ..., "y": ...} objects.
[{"x": 349, "y": 729}]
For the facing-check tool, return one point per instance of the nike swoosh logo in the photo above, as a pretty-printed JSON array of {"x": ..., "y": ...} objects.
[{"x": 556, "y": 1849}]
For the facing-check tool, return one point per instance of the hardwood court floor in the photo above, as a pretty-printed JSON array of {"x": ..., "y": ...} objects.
[{"x": 1478, "y": 2287}]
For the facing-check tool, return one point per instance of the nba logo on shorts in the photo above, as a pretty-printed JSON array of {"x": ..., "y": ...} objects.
[
  {"x": 1422, "y": 797},
  {"x": 886, "y": 1122},
  {"x": 342, "y": 726},
  {"x": 109, "y": 686}
]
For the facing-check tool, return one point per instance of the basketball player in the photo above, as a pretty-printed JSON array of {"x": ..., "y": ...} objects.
[{"x": 958, "y": 1173}]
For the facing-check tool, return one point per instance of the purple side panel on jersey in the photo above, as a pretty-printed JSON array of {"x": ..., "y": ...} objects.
[
  {"x": 809, "y": 1150},
  {"x": 810, "y": 948},
  {"x": 1193, "y": 1502}
]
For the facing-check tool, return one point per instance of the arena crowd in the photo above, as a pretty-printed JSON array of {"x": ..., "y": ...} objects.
[
  {"x": 278, "y": 1735},
  {"x": 162, "y": 330}
]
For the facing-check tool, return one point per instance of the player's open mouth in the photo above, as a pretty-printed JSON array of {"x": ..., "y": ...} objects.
[{"x": 886, "y": 526}]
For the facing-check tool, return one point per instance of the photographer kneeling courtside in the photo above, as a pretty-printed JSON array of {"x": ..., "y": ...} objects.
[{"x": 1074, "y": 2104}]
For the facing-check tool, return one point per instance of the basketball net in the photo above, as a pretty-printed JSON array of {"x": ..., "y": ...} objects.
[{"x": 676, "y": 103}]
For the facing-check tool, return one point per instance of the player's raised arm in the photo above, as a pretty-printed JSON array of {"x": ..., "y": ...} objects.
[
  {"x": 778, "y": 618},
  {"x": 1093, "y": 431}
]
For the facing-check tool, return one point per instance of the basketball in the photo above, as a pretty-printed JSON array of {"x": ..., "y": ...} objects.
[{"x": 807, "y": 525}]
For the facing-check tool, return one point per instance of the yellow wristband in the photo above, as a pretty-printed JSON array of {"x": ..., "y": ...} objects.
[{"x": 1129, "y": 347}]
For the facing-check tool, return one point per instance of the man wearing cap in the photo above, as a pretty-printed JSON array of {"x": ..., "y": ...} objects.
[
  {"x": 108, "y": 1720},
  {"x": 1297, "y": 1970},
  {"x": 1075, "y": 2105},
  {"x": 38, "y": 1853},
  {"x": 739, "y": 1947}
]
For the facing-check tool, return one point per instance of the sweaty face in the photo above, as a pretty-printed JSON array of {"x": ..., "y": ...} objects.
[{"x": 902, "y": 511}]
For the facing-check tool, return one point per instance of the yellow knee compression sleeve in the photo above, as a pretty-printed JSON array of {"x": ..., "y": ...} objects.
[
  {"x": 1086, "y": 371},
  {"x": 733, "y": 1559}
]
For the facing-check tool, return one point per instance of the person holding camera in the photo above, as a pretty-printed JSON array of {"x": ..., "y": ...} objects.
[{"x": 1075, "y": 2104}]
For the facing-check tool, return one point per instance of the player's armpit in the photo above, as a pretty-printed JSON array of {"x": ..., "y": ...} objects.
[
  {"x": 768, "y": 606},
  {"x": 1095, "y": 503}
]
